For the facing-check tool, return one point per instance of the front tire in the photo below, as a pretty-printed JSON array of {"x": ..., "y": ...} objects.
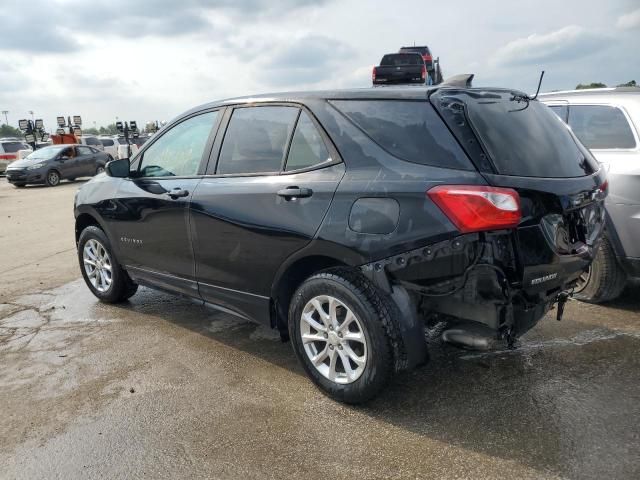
[
  {"x": 102, "y": 273},
  {"x": 341, "y": 330},
  {"x": 53, "y": 178},
  {"x": 605, "y": 280},
  {"x": 99, "y": 170}
]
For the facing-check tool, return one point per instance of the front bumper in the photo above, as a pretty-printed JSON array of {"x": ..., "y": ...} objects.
[{"x": 24, "y": 176}]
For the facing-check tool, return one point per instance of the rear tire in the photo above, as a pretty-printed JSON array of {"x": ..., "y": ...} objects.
[
  {"x": 113, "y": 285},
  {"x": 605, "y": 280},
  {"x": 358, "y": 330},
  {"x": 99, "y": 170}
]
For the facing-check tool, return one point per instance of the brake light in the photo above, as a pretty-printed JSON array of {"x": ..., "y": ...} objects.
[
  {"x": 8, "y": 156},
  {"x": 427, "y": 58},
  {"x": 373, "y": 74},
  {"x": 604, "y": 187},
  {"x": 475, "y": 208},
  {"x": 423, "y": 72}
]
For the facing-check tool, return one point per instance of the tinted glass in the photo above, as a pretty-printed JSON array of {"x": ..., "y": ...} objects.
[
  {"x": 256, "y": 139},
  {"x": 179, "y": 151},
  {"x": 522, "y": 137},
  {"x": 91, "y": 141},
  {"x": 307, "y": 147},
  {"x": 561, "y": 110},
  {"x": 411, "y": 131},
  {"x": 402, "y": 59},
  {"x": 601, "y": 126},
  {"x": 13, "y": 147},
  {"x": 84, "y": 151},
  {"x": 107, "y": 142}
]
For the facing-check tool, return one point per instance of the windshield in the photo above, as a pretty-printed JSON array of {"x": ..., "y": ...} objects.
[
  {"x": 522, "y": 137},
  {"x": 46, "y": 153}
]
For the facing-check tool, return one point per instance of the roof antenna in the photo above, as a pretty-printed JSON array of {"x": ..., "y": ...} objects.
[{"x": 539, "y": 83}]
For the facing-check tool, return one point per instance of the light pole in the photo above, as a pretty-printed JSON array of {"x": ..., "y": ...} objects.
[
  {"x": 31, "y": 112},
  {"x": 4, "y": 112}
]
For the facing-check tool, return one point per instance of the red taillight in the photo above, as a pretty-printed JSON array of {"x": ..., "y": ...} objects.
[
  {"x": 604, "y": 187},
  {"x": 8, "y": 156},
  {"x": 373, "y": 74},
  {"x": 424, "y": 72},
  {"x": 426, "y": 58},
  {"x": 474, "y": 208}
]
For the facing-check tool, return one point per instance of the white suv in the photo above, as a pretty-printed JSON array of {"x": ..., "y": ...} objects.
[
  {"x": 607, "y": 121},
  {"x": 110, "y": 145},
  {"x": 9, "y": 151}
]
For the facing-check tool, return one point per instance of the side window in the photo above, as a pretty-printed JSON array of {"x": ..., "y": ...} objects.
[
  {"x": 256, "y": 139},
  {"x": 307, "y": 147},
  {"x": 409, "y": 130},
  {"x": 84, "y": 151},
  {"x": 601, "y": 126},
  {"x": 561, "y": 111},
  {"x": 179, "y": 150}
]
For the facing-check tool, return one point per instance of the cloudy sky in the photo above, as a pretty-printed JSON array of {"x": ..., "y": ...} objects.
[{"x": 151, "y": 59}]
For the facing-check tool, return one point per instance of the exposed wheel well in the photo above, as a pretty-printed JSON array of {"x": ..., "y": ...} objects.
[
  {"x": 290, "y": 280},
  {"x": 83, "y": 221}
]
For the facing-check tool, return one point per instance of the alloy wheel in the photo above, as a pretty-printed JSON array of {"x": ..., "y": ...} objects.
[
  {"x": 53, "y": 178},
  {"x": 583, "y": 281},
  {"x": 333, "y": 339},
  {"x": 97, "y": 265},
  {"x": 99, "y": 170}
]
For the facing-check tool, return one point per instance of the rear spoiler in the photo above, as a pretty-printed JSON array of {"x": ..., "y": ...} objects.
[{"x": 462, "y": 80}]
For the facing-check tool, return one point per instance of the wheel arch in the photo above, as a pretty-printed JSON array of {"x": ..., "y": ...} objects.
[
  {"x": 289, "y": 278},
  {"x": 86, "y": 217}
]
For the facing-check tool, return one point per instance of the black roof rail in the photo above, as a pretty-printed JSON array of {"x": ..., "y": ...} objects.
[{"x": 462, "y": 80}]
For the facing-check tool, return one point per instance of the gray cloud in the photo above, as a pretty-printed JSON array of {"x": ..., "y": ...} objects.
[
  {"x": 307, "y": 60},
  {"x": 629, "y": 21},
  {"x": 567, "y": 43},
  {"x": 29, "y": 30}
]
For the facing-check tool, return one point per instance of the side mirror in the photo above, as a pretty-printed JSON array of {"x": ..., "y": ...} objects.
[{"x": 118, "y": 168}]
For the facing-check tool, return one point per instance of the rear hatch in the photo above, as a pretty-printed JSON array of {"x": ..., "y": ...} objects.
[{"x": 519, "y": 143}]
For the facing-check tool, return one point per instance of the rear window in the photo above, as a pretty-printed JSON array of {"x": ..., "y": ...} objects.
[
  {"x": 601, "y": 126},
  {"x": 13, "y": 147},
  {"x": 409, "y": 130},
  {"x": 401, "y": 59},
  {"x": 107, "y": 142},
  {"x": 91, "y": 141},
  {"x": 522, "y": 137}
]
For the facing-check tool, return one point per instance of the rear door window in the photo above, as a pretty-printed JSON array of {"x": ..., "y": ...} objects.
[
  {"x": 561, "y": 111},
  {"x": 256, "y": 139},
  {"x": 307, "y": 147},
  {"x": 409, "y": 130},
  {"x": 84, "y": 151},
  {"x": 601, "y": 126},
  {"x": 107, "y": 142}
]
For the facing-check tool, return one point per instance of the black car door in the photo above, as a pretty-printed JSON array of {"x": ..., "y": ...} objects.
[
  {"x": 149, "y": 214},
  {"x": 67, "y": 163},
  {"x": 85, "y": 158},
  {"x": 253, "y": 210}
]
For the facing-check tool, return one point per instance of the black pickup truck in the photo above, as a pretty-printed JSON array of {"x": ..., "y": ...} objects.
[{"x": 400, "y": 68}]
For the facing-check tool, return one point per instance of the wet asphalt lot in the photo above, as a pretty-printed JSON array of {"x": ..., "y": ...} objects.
[{"x": 161, "y": 387}]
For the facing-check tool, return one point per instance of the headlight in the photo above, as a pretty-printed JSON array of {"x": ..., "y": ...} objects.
[{"x": 36, "y": 166}]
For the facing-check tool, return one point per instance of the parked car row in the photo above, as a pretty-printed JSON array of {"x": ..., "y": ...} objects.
[{"x": 10, "y": 149}]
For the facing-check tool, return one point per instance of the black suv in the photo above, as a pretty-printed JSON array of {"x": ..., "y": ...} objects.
[{"x": 351, "y": 220}]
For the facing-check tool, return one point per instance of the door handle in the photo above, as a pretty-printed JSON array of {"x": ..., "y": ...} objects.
[
  {"x": 291, "y": 193},
  {"x": 177, "y": 193}
]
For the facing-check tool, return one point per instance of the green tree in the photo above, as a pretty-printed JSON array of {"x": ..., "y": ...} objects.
[
  {"x": 9, "y": 131},
  {"x": 632, "y": 83},
  {"x": 108, "y": 130},
  {"x": 90, "y": 131},
  {"x": 581, "y": 86}
]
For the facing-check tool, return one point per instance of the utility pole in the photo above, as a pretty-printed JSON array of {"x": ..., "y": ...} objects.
[
  {"x": 31, "y": 112},
  {"x": 4, "y": 112}
]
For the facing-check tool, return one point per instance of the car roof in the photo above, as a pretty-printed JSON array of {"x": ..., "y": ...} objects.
[{"x": 593, "y": 94}]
